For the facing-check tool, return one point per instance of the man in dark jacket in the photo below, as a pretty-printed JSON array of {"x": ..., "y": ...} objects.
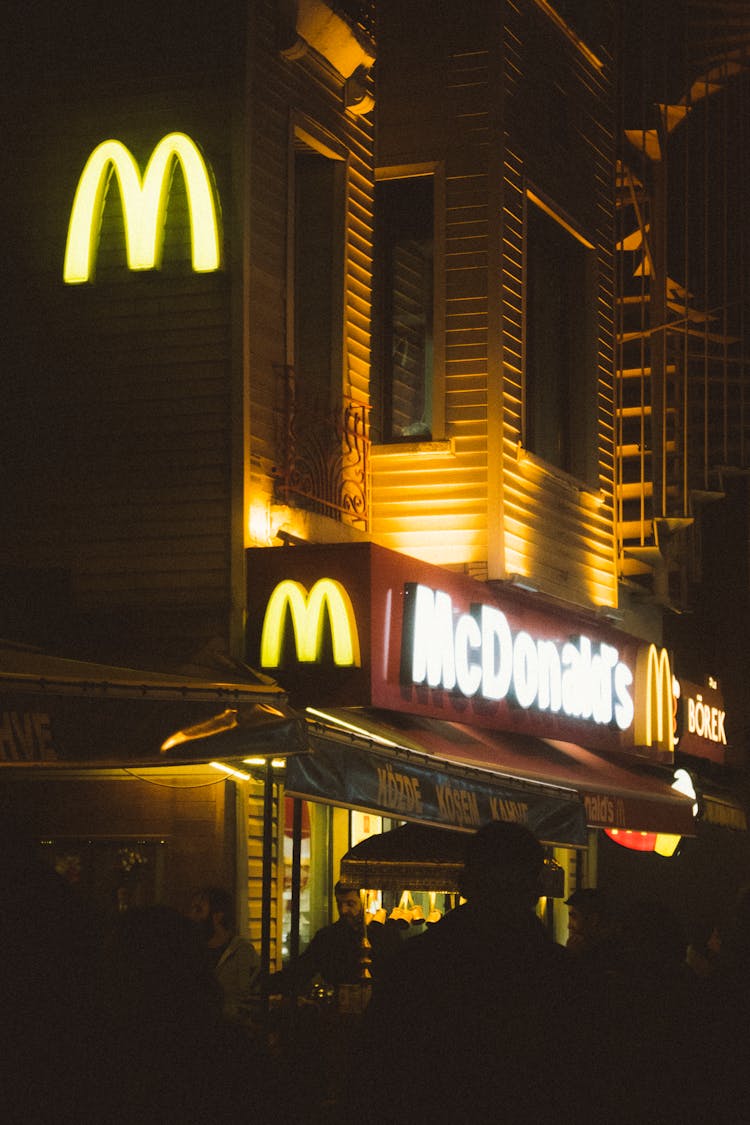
[
  {"x": 319, "y": 1037},
  {"x": 336, "y": 953},
  {"x": 473, "y": 1022}
]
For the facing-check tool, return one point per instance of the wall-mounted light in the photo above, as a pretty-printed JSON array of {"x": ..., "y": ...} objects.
[
  {"x": 610, "y": 614},
  {"x": 264, "y": 522},
  {"x": 351, "y": 727},
  {"x": 683, "y": 783},
  {"x": 357, "y": 97},
  {"x": 521, "y": 582},
  {"x": 230, "y": 771},
  {"x": 259, "y": 523}
]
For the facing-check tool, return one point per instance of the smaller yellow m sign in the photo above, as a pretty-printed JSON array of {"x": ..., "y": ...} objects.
[
  {"x": 654, "y": 700},
  {"x": 327, "y": 599},
  {"x": 144, "y": 206}
]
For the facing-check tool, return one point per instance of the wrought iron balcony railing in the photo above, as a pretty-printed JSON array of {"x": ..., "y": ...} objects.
[{"x": 322, "y": 455}]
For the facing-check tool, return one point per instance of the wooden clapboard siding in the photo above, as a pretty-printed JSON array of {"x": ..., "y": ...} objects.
[
  {"x": 435, "y": 508},
  {"x": 429, "y": 505},
  {"x": 358, "y": 280},
  {"x": 255, "y": 820},
  {"x": 183, "y": 825},
  {"x": 305, "y": 89},
  {"x": 559, "y": 534},
  {"x": 559, "y": 531},
  {"x": 120, "y": 389},
  {"x": 269, "y": 126},
  {"x": 132, "y": 412},
  {"x": 512, "y": 298}
]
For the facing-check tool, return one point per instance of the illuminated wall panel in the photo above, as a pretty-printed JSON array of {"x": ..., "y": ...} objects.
[{"x": 554, "y": 529}]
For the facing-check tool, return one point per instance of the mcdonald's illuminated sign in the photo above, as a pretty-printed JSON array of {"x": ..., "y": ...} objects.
[
  {"x": 654, "y": 712},
  {"x": 308, "y": 612},
  {"x": 144, "y": 206}
]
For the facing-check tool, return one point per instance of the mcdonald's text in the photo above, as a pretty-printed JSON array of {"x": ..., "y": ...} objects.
[{"x": 477, "y": 653}]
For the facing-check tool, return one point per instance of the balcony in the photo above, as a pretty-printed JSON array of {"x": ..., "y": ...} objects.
[{"x": 323, "y": 456}]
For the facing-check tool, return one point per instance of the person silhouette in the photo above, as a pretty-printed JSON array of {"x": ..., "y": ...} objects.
[
  {"x": 481, "y": 1001},
  {"x": 169, "y": 1055},
  {"x": 234, "y": 959}
]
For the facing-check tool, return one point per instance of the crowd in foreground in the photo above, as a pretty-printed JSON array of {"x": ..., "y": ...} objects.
[{"x": 480, "y": 1019}]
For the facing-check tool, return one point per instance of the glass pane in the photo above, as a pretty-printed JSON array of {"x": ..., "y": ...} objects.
[{"x": 403, "y": 309}]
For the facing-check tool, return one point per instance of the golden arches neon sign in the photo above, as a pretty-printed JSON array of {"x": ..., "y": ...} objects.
[
  {"x": 144, "y": 205},
  {"x": 308, "y": 612},
  {"x": 654, "y": 715}
]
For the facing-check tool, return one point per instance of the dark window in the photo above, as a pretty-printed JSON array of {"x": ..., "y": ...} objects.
[
  {"x": 560, "y": 409},
  {"x": 317, "y": 279},
  {"x": 402, "y": 310}
]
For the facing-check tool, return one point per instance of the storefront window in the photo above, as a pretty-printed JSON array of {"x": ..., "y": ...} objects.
[
  {"x": 112, "y": 875},
  {"x": 315, "y": 889},
  {"x": 363, "y": 825}
]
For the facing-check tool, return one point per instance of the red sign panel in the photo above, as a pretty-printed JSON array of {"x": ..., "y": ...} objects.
[
  {"x": 434, "y": 643},
  {"x": 701, "y": 721}
]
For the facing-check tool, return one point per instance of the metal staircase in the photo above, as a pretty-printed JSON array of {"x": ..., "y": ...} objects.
[{"x": 683, "y": 389}]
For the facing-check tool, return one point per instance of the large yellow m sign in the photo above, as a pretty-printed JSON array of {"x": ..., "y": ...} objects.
[
  {"x": 654, "y": 700},
  {"x": 308, "y": 612},
  {"x": 144, "y": 206}
]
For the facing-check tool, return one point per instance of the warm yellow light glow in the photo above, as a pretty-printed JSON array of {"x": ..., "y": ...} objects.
[
  {"x": 144, "y": 205},
  {"x": 259, "y": 524},
  {"x": 654, "y": 699},
  {"x": 683, "y": 783},
  {"x": 434, "y": 914},
  {"x": 435, "y": 526},
  {"x": 276, "y": 763},
  {"x": 374, "y": 901},
  {"x": 217, "y": 724},
  {"x": 335, "y": 721},
  {"x": 308, "y": 611},
  {"x": 592, "y": 499},
  {"x": 666, "y": 844},
  {"x": 230, "y": 771}
]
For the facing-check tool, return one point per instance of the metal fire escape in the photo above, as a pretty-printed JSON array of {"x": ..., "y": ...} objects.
[{"x": 683, "y": 402}]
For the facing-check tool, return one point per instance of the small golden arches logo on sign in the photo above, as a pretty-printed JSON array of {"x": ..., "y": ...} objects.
[
  {"x": 654, "y": 709},
  {"x": 327, "y": 599}
]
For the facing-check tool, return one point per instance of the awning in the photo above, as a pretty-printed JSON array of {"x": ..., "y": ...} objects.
[
  {"x": 55, "y": 711},
  {"x": 27, "y": 669},
  {"x": 421, "y": 857},
  {"x": 616, "y": 793},
  {"x": 718, "y": 804},
  {"x": 356, "y": 772},
  {"x": 247, "y": 731}
]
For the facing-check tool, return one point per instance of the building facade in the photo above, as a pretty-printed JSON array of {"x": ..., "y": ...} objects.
[{"x": 285, "y": 275}]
